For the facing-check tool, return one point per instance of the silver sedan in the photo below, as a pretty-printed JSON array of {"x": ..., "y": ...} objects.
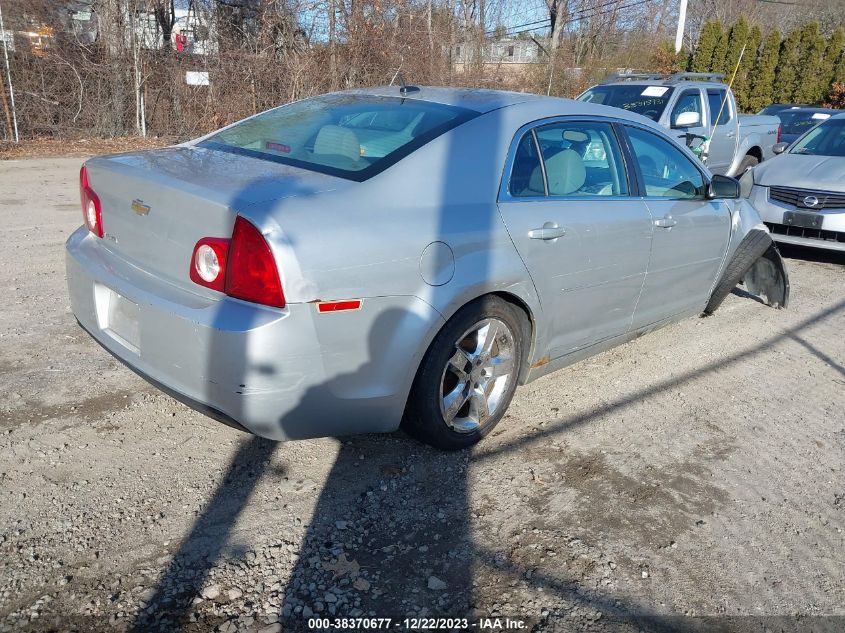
[
  {"x": 350, "y": 262},
  {"x": 801, "y": 194}
]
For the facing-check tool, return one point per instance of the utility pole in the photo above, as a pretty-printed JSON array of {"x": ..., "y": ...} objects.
[
  {"x": 482, "y": 19},
  {"x": 8, "y": 76},
  {"x": 682, "y": 18}
]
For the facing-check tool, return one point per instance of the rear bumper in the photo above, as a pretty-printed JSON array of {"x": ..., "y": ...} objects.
[
  {"x": 281, "y": 374},
  {"x": 831, "y": 236}
]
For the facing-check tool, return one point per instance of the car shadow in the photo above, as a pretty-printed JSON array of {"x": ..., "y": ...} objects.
[{"x": 390, "y": 535}]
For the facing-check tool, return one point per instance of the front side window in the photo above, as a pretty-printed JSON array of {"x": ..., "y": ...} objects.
[
  {"x": 827, "y": 139},
  {"x": 714, "y": 102},
  {"x": 351, "y": 136},
  {"x": 666, "y": 170},
  {"x": 689, "y": 101},
  {"x": 649, "y": 101}
]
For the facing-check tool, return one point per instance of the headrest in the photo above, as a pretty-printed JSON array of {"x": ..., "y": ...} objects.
[
  {"x": 565, "y": 172},
  {"x": 338, "y": 141}
]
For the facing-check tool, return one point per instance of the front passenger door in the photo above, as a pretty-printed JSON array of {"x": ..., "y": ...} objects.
[
  {"x": 724, "y": 139},
  {"x": 691, "y": 232},
  {"x": 688, "y": 101}
]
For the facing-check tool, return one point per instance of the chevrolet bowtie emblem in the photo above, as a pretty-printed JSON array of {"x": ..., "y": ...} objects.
[{"x": 140, "y": 208}]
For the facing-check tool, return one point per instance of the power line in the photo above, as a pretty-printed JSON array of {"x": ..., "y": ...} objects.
[
  {"x": 518, "y": 26},
  {"x": 611, "y": 10},
  {"x": 577, "y": 16},
  {"x": 577, "y": 12}
]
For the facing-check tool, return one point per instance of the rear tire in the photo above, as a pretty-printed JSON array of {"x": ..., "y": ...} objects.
[{"x": 468, "y": 376}]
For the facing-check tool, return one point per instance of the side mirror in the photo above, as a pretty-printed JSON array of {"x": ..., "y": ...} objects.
[
  {"x": 687, "y": 119},
  {"x": 780, "y": 148},
  {"x": 724, "y": 187}
]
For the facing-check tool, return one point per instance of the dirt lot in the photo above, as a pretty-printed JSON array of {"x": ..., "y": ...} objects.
[{"x": 697, "y": 471}]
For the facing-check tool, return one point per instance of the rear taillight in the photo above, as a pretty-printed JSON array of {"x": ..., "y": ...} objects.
[
  {"x": 208, "y": 265},
  {"x": 92, "y": 210},
  {"x": 242, "y": 267},
  {"x": 251, "y": 273},
  {"x": 780, "y": 131}
]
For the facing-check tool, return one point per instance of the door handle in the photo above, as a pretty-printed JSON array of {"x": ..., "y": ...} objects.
[
  {"x": 666, "y": 222},
  {"x": 549, "y": 231},
  {"x": 730, "y": 134}
]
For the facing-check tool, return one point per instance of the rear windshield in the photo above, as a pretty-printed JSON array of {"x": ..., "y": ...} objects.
[
  {"x": 351, "y": 136},
  {"x": 649, "y": 101},
  {"x": 799, "y": 121},
  {"x": 828, "y": 139}
]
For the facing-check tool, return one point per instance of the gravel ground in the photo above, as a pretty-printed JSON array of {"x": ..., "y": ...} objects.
[{"x": 697, "y": 471}]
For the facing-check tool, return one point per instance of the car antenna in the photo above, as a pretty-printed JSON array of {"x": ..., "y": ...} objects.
[{"x": 405, "y": 88}]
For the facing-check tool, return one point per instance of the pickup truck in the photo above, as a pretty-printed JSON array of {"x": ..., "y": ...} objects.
[{"x": 689, "y": 103}]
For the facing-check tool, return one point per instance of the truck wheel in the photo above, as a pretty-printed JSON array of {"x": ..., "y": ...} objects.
[
  {"x": 755, "y": 244},
  {"x": 747, "y": 163},
  {"x": 468, "y": 376}
]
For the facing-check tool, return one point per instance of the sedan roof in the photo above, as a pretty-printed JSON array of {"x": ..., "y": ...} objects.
[
  {"x": 532, "y": 106},
  {"x": 480, "y": 100}
]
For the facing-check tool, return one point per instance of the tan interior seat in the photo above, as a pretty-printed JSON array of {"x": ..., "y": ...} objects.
[
  {"x": 337, "y": 141},
  {"x": 565, "y": 172}
]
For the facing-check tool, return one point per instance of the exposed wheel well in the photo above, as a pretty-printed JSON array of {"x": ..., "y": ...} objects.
[{"x": 756, "y": 152}]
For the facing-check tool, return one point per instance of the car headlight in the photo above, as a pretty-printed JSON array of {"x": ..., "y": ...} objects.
[{"x": 746, "y": 183}]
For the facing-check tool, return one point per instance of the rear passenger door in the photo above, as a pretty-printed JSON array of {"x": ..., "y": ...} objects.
[
  {"x": 691, "y": 232},
  {"x": 567, "y": 202}
]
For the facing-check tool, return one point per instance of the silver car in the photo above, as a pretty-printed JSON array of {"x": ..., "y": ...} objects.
[
  {"x": 360, "y": 259},
  {"x": 801, "y": 194}
]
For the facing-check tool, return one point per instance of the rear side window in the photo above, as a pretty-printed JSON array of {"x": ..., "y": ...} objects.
[
  {"x": 527, "y": 174},
  {"x": 581, "y": 158},
  {"x": 666, "y": 170},
  {"x": 714, "y": 101},
  {"x": 351, "y": 136}
]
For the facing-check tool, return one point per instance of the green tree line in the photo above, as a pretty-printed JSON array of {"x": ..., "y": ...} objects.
[{"x": 801, "y": 67}]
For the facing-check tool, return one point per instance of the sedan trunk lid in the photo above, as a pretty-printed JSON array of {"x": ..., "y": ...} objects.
[{"x": 158, "y": 204}]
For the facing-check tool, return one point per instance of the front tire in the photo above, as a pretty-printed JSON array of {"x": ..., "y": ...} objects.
[{"x": 468, "y": 376}]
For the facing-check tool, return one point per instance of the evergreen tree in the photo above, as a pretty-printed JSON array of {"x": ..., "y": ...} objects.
[
  {"x": 839, "y": 69},
  {"x": 807, "y": 85},
  {"x": 762, "y": 80},
  {"x": 787, "y": 72},
  {"x": 710, "y": 34},
  {"x": 717, "y": 62},
  {"x": 737, "y": 38},
  {"x": 832, "y": 53},
  {"x": 741, "y": 83}
]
